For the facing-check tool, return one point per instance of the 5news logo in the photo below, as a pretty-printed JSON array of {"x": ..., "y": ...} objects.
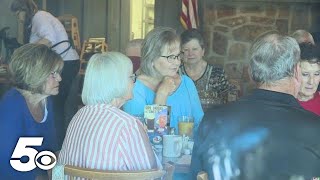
[{"x": 44, "y": 160}]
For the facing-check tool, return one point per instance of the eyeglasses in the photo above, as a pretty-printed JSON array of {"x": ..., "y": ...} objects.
[
  {"x": 172, "y": 57},
  {"x": 133, "y": 77},
  {"x": 55, "y": 74}
]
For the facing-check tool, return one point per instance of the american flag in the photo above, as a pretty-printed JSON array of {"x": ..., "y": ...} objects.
[{"x": 189, "y": 14}]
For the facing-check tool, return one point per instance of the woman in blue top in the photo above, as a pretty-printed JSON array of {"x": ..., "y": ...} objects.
[
  {"x": 26, "y": 110},
  {"x": 159, "y": 82}
]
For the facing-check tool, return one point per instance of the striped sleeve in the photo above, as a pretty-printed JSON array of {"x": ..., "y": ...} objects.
[
  {"x": 133, "y": 148},
  {"x": 106, "y": 138}
]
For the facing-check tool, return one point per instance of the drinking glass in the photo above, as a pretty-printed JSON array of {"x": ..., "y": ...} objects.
[{"x": 185, "y": 125}]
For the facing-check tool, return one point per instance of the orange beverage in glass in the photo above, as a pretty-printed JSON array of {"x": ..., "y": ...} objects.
[{"x": 185, "y": 125}]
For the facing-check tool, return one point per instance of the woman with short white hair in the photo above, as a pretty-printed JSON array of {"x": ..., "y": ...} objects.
[{"x": 102, "y": 136}]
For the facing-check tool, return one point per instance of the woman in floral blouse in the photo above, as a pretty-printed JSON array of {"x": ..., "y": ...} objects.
[{"x": 210, "y": 80}]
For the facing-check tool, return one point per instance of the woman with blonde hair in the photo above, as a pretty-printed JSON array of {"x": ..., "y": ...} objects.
[
  {"x": 159, "y": 81},
  {"x": 44, "y": 28},
  {"x": 26, "y": 109}
]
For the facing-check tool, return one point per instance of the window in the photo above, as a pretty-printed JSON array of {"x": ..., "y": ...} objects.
[{"x": 142, "y": 18}]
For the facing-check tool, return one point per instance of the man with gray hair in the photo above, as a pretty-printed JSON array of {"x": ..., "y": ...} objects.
[
  {"x": 303, "y": 36},
  {"x": 267, "y": 134}
]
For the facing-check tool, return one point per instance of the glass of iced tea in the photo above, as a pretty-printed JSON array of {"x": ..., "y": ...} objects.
[{"x": 185, "y": 125}]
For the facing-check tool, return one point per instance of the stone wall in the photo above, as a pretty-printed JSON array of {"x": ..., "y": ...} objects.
[{"x": 231, "y": 27}]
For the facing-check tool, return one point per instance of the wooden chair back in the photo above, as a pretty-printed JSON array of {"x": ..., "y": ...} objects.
[{"x": 75, "y": 172}]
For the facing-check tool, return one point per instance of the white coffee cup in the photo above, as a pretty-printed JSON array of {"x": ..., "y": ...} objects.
[{"x": 172, "y": 145}]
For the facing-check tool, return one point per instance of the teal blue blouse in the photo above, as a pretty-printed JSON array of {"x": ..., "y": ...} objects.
[{"x": 184, "y": 101}]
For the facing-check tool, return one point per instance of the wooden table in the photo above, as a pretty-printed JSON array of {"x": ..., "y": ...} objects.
[
  {"x": 179, "y": 167},
  {"x": 182, "y": 164}
]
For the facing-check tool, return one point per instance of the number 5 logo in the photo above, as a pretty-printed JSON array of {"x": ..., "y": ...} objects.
[{"x": 46, "y": 157}]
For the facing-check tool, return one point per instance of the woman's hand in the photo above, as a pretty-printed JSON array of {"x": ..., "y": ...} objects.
[{"x": 167, "y": 86}]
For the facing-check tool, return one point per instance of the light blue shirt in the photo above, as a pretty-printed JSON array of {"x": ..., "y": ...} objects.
[{"x": 184, "y": 101}]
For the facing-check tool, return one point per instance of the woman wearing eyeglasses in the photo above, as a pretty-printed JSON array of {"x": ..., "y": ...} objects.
[
  {"x": 159, "y": 82},
  {"x": 102, "y": 136},
  {"x": 212, "y": 85},
  {"x": 26, "y": 109},
  {"x": 43, "y": 28}
]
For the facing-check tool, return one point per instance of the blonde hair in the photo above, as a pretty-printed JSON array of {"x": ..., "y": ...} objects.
[
  {"x": 30, "y": 8},
  {"x": 153, "y": 45},
  {"x": 106, "y": 78},
  {"x": 31, "y": 65}
]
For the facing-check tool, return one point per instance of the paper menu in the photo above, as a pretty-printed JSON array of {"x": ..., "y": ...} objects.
[{"x": 157, "y": 118}]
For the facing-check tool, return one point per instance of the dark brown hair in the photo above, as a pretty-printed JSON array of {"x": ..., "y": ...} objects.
[
  {"x": 190, "y": 34},
  {"x": 30, "y": 8},
  {"x": 310, "y": 52}
]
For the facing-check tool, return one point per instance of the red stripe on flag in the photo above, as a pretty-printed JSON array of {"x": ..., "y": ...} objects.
[
  {"x": 185, "y": 20},
  {"x": 189, "y": 14},
  {"x": 184, "y": 14}
]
